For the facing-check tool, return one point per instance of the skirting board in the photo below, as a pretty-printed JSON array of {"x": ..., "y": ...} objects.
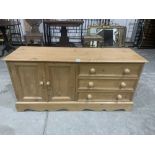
[{"x": 74, "y": 106}]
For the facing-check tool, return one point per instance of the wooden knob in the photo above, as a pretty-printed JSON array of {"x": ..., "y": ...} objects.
[
  {"x": 47, "y": 83},
  {"x": 91, "y": 84},
  {"x": 119, "y": 97},
  {"x": 89, "y": 96},
  {"x": 123, "y": 84},
  {"x": 92, "y": 70},
  {"x": 126, "y": 70},
  {"x": 41, "y": 83}
]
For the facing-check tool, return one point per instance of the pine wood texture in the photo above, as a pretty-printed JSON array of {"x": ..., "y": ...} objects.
[
  {"x": 27, "y": 80},
  {"x": 61, "y": 54},
  {"x": 106, "y": 84},
  {"x": 62, "y": 81},
  {"x": 74, "y": 78},
  {"x": 74, "y": 106},
  {"x": 110, "y": 70}
]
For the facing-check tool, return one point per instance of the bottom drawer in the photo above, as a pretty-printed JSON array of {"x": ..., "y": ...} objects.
[{"x": 105, "y": 96}]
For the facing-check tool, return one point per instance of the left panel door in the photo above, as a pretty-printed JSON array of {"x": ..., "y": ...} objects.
[{"x": 28, "y": 81}]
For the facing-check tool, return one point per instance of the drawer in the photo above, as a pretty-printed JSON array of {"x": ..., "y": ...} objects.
[
  {"x": 105, "y": 96},
  {"x": 119, "y": 69},
  {"x": 105, "y": 84}
]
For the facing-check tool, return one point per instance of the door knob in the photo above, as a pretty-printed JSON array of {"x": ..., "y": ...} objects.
[
  {"x": 119, "y": 97},
  {"x": 89, "y": 96},
  {"x": 92, "y": 70},
  {"x": 41, "y": 83},
  {"x": 47, "y": 83},
  {"x": 91, "y": 84},
  {"x": 127, "y": 71},
  {"x": 123, "y": 84}
]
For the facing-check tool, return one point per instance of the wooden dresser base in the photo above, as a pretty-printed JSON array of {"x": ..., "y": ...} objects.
[
  {"x": 74, "y": 106},
  {"x": 74, "y": 79}
]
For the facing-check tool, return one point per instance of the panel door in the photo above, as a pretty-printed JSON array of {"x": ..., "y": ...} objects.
[
  {"x": 60, "y": 81},
  {"x": 28, "y": 81}
]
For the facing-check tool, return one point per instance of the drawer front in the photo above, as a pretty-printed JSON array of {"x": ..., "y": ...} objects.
[
  {"x": 107, "y": 84},
  {"x": 105, "y": 96},
  {"x": 129, "y": 70}
]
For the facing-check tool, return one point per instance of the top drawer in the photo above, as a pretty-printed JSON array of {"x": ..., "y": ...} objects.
[{"x": 119, "y": 69}]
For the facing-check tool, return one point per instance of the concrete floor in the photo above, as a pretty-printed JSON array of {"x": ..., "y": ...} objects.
[{"x": 139, "y": 121}]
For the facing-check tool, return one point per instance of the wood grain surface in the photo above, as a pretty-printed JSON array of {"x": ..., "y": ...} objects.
[{"x": 64, "y": 54}]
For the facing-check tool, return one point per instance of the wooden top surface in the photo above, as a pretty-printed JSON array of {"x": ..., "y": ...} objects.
[{"x": 64, "y": 54}]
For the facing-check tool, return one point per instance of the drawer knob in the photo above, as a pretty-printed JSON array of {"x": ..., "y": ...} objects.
[
  {"x": 119, "y": 97},
  {"x": 127, "y": 71},
  {"x": 91, "y": 84},
  {"x": 92, "y": 70},
  {"x": 41, "y": 83},
  {"x": 89, "y": 96},
  {"x": 123, "y": 84},
  {"x": 47, "y": 83}
]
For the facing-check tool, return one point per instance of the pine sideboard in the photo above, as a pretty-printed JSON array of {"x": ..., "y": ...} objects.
[{"x": 58, "y": 78}]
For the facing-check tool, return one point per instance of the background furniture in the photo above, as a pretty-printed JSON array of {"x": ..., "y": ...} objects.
[
  {"x": 74, "y": 78},
  {"x": 15, "y": 32},
  {"x": 145, "y": 34},
  {"x": 1, "y": 38},
  {"x": 113, "y": 36},
  {"x": 33, "y": 35},
  {"x": 3, "y": 28},
  {"x": 92, "y": 41},
  {"x": 33, "y": 39},
  {"x": 60, "y": 30}
]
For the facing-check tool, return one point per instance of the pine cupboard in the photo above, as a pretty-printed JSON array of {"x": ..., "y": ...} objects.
[{"x": 57, "y": 78}]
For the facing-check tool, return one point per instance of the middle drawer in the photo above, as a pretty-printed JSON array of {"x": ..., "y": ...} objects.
[{"x": 106, "y": 84}]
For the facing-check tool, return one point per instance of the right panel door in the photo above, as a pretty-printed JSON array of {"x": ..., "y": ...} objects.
[{"x": 60, "y": 81}]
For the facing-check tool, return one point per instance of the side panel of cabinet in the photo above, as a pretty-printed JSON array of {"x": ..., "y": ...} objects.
[
  {"x": 28, "y": 80},
  {"x": 61, "y": 81}
]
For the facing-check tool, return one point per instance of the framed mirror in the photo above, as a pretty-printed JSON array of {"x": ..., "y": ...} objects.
[{"x": 113, "y": 36}]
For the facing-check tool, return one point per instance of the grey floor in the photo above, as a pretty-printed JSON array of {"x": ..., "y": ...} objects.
[{"x": 139, "y": 121}]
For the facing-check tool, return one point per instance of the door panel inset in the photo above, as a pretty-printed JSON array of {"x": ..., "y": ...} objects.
[
  {"x": 29, "y": 81},
  {"x": 61, "y": 80}
]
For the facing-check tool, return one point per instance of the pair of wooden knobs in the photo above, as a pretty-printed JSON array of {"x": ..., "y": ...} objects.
[
  {"x": 119, "y": 96},
  {"x": 126, "y": 71},
  {"x": 91, "y": 84},
  {"x": 42, "y": 83}
]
